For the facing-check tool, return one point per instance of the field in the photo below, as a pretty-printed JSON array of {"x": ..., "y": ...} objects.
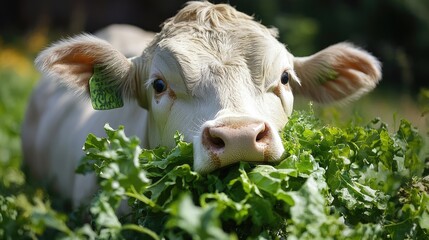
[{"x": 18, "y": 76}]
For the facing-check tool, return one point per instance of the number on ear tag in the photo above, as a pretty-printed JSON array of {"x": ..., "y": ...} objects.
[{"x": 104, "y": 95}]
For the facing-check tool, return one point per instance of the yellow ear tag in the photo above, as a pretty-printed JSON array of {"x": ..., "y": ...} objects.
[{"x": 104, "y": 95}]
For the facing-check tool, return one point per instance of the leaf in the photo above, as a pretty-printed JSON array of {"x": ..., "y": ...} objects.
[
  {"x": 42, "y": 215},
  {"x": 199, "y": 223}
]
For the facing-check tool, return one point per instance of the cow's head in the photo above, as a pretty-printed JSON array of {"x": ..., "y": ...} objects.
[{"x": 220, "y": 78}]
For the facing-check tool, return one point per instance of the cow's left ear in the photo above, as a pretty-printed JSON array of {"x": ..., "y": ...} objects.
[
  {"x": 91, "y": 66},
  {"x": 338, "y": 73}
]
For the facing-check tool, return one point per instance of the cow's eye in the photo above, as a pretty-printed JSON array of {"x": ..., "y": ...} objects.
[
  {"x": 285, "y": 77},
  {"x": 159, "y": 85}
]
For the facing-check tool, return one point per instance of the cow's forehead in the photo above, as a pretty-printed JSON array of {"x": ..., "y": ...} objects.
[
  {"x": 222, "y": 54},
  {"x": 217, "y": 43},
  {"x": 248, "y": 53}
]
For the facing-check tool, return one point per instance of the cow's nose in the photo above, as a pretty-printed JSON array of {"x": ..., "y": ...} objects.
[{"x": 238, "y": 141}]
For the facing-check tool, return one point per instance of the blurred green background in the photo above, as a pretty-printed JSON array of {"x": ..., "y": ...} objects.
[{"x": 395, "y": 31}]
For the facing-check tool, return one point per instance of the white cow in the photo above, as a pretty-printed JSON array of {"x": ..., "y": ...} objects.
[{"x": 212, "y": 73}]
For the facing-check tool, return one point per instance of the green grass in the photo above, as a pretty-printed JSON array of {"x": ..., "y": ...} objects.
[{"x": 17, "y": 77}]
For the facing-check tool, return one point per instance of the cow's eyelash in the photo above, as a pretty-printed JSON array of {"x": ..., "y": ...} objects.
[
  {"x": 293, "y": 76},
  {"x": 272, "y": 84},
  {"x": 152, "y": 79}
]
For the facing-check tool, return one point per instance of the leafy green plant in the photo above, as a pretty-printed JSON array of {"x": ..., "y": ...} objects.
[{"x": 354, "y": 182}]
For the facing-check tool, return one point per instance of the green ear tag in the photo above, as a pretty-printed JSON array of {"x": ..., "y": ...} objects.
[{"x": 103, "y": 95}]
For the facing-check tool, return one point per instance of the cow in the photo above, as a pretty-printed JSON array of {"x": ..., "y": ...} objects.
[{"x": 212, "y": 73}]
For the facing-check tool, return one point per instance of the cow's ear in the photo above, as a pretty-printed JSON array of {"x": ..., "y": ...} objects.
[
  {"x": 338, "y": 73},
  {"x": 91, "y": 66}
]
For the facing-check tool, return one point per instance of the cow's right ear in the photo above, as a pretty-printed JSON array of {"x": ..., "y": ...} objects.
[
  {"x": 339, "y": 73},
  {"x": 90, "y": 65}
]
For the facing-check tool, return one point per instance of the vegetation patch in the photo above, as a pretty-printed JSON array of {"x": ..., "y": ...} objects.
[{"x": 353, "y": 182}]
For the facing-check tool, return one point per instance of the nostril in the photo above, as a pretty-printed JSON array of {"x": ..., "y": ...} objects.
[
  {"x": 263, "y": 133},
  {"x": 212, "y": 141},
  {"x": 217, "y": 142}
]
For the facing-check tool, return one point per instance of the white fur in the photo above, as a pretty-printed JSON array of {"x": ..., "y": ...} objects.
[{"x": 221, "y": 68}]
